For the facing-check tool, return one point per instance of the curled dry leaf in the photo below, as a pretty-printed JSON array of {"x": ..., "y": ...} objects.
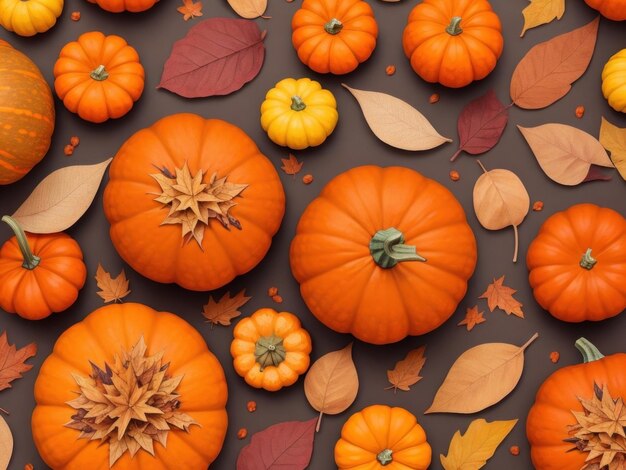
[
  {"x": 501, "y": 200},
  {"x": 501, "y": 296},
  {"x": 546, "y": 73},
  {"x": 6, "y": 444},
  {"x": 480, "y": 377},
  {"x": 331, "y": 384},
  {"x": 613, "y": 139},
  {"x": 249, "y": 9},
  {"x": 566, "y": 154},
  {"x": 13, "y": 361},
  {"x": 111, "y": 289},
  {"x": 471, "y": 450},
  {"x": 61, "y": 198},
  {"x": 396, "y": 122},
  {"x": 406, "y": 372},
  {"x": 224, "y": 310},
  {"x": 540, "y": 12}
]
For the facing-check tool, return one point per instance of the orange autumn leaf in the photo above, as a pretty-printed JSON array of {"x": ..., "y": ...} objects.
[
  {"x": 12, "y": 361},
  {"x": 406, "y": 372},
  {"x": 501, "y": 296},
  {"x": 291, "y": 165},
  {"x": 190, "y": 9},
  {"x": 472, "y": 318},
  {"x": 225, "y": 309},
  {"x": 112, "y": 289}
]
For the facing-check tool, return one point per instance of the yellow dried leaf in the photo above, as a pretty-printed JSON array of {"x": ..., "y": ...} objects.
[
  {"x": 249, "y": 9},
  {"x": 613, "y": 139},
  {"x": 112, "y": 289},
  {"x": 541, "y": 12}
]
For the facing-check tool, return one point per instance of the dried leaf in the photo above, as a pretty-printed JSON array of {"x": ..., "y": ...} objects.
[
  {"x": 471, "y": 450},
  {"x": 542, "y": 12},
  {"x": 331, "y": 384},
  {"x": 565, "y": 153},
  {"x": 112, "y": 290},
  {"x": 218, "y": 56},
  {"x": 6, "y": 444},
  {"x": 61, "y": 198},
  {"x": 283, "y": 445},
  {"x": 395, "y": 122},
  {"x": 472, "y": 318},
  {"x": 481, "y": 124},
  {"x": 291, "y": 165},
  {"x": 190, "y": 9},
  {"x": 501, "y": 200},
  {"x": 249, "y": 9},
  {"x": 480, "y": 377},
  {"x": 546, "y": 73},
  {"x": 12, "y": 361},
  {"x": 406, "y": 372},
  {"x": 224, "y": 310},
  {"x": 613, "y": 139},
  {"x": 501, "y": 296}
]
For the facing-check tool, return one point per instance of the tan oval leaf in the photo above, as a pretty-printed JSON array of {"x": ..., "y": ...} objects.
[
  {"x": 540, "y": 12},
  {"x": 331, "y": 384},
  {"x": 613, "y": 139},
  {"x": 249, "y": 9},
  {"x": 480, "y": 377},
  {"x": 61, "y": 198},
  {"x": 565, "y": 153},
  {"x": 6, "y": 444},
  {"x": 501, "y": 200},
  {"x": 396, "y": 122}
]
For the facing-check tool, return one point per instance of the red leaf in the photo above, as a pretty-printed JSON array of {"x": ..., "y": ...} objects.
[
  {"x": 218, "y": 56},
  {"x": 283, "y": 445},
  {"x": 481, "y": 124}
]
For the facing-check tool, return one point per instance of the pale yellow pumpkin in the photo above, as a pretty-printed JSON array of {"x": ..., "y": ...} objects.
[
  {"x": 29, "y": 17},
  {"x": 614, "y": 81}
]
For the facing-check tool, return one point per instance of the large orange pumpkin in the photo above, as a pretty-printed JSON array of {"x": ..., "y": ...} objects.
[
  {"x": 26, "y": 114},
  {"x": 383, "y": 253},
  {"x": 118, "y": 6},
  {"x": 155, "y": 392},
  {"x": 611, "y": 9},
  {"x": 202, "y": 241}
]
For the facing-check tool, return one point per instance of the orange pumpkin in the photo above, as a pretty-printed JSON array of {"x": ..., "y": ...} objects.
[
  {"x": 611, "y": 9},
  {"x": 200, "y": 242},
  {"x": 549, "y": 427},
  {"x": 98, "y": 77},
  {"x": 270, "y": 349},
  {"x": 453, "y": 42},
  {"x": 26, "y": 114},
  {"x": 577, "y": 264},
  {"x": 382, "y": 437},
  {"x": 334, "y": 35},
  {"x": 157, "y": 395},
  {"x": 39, "y": 274},
  {"x": 118, "y": 6},
  {"x": 383, "y": 253}
]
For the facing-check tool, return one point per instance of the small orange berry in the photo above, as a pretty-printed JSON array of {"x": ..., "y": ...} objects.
[
  {"x": 390, "y": 70},
  {"x": 75, "y": 16},
  {"x": 74, "y": 141},
  {"x": 538, "y": 206},
  {"x": 454, "y": 175},
  {"x": 68, "y": 150},
  {"x": 272, "y": 291},
  {"x": 580, "y": 111},
  {"x": 242, "y": 433},
  {"x": 277, "y": 298},
  {"x": 433, "y": 98},
  {"x": 307, "y": 179},
  {"x": 251, "y": 406},
  {"x": 514, "y": 450},
  {"x": 554, "y": 356}
]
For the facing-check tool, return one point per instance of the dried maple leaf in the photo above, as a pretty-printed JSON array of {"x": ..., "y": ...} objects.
[
  {"x": 190, "y": 9},
  {"x": 224, "y": 310},
  {"x": 291, "y": 165},
  {"x": 406, "y": 372},
  {"x": 501, "y": 296},
  {"x": 112, "y": 289},
  {"x": 472, "y": 318},
  {"x": 12, "y": 361}
]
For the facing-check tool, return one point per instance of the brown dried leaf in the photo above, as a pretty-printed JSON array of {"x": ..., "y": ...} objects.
[
  {"x": 224, "y": 310},
  {"x": 406, "y": 372},
  {"x": 12, "y": 361},
  {"x": 472, "y": 318},
  {"x": 6, "y": 444},
  {"x": 190, "y": 9},
  {"x": 501, "y": 296},
  {"x": 613, "y": 139},
  {"x": 249, "y": 9},
  {"x": 291, "y": 165},
  {"x": 112, "y": 290},
  {"x": 541, "y": 12}
]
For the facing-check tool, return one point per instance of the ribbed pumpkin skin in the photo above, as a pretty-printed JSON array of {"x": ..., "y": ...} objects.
[
  {"x": 26, "y": 114},
  {"x": 341, "y": 283},
  {"x": 156, "y": 251},
  {"x": 611, "y": 9},
  {"x": 27, "y": 18},
  {"x": 614, "y": 80},
  {"x": 547, "y": 422},
  {"x": 98, "y": 338},
  {"x": 52, "y": 286},
  {"x": 560, "y": 285},
  {"x": 118, "y": 6}
]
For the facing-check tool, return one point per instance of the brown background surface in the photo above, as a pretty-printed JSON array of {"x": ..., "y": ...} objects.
[{"x": 152, "y": 33}]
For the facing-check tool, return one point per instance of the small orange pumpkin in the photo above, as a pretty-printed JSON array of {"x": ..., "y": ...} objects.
[
  {"x": 118, "y": 6},
  {"x": 270, "y": 349},
  {"x": 98, "y": 77},
  {"x": 612, "y": 9}
]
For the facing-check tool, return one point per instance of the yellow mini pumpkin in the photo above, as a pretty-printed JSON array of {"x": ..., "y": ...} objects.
[
  {"x": 614, "y": 81},
  {"x": 27, "y": 18},
  {"x": 298, "y": 113}
]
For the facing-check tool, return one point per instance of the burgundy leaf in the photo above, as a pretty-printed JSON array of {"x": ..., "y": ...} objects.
[
  {"x": 481, "y": 124},
  {"x": 218, "y": 56},
  {"x": 286, "y": 445},
  {"x": 596, "y": 175}
]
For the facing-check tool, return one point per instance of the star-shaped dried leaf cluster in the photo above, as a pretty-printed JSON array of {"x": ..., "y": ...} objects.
[
  {"x": 600, "y": 430},
  {"x": 129, "y": 405},
  {"x": 193, "y": 203}
]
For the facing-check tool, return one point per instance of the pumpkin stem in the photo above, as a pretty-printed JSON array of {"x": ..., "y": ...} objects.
[
  {"x": 30, "y": 260},
  {"x": 588, "y": 350},
  {"x": 454, "y": 28},
  {"x": 588, "y": 261},
  {"x": 99, "y": 73},
  {"x": 269, "y": 351},
  {"x": 388, "y": 249},
  {"x": 333, "y": 26},
  {"x": 297, "y": 104},
  {"x": 384, "y": 457}
]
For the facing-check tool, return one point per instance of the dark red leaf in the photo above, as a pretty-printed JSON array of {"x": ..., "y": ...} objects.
[
  {"x": 218, "y": 56},
  {"x": 481, "y": 124},
  {"x": 286, "y": 445}
]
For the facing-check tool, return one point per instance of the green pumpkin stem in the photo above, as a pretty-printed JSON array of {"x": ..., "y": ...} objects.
[
  {"x": 588, "y": 261},
  {"x": 388, "y": 249},
  {"x": 454, "y": 28},
  {"x": 269, "y": 351},
  {"x": 384, "y": 457},
  {"x": 588, "y": 350},
  {"x": 334, "y": 26},
  {"x": 99, "y": 73},
  {"x": 297, "y": 104},
  {"x": 30, "y": 260}
]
